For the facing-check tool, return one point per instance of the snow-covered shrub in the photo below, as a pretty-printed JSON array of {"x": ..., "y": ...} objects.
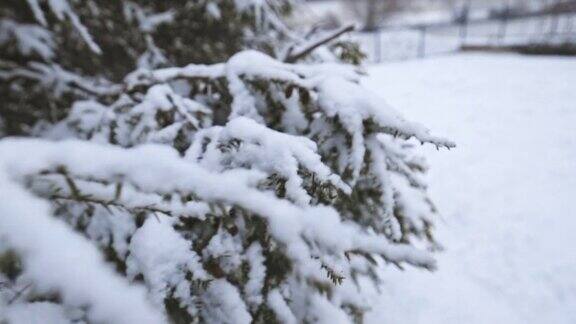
[{"x": 233, "y": 184}]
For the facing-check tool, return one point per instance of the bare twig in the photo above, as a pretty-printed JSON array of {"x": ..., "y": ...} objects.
[
  {"x": 293, "y": 57},
  {"x": 19, "y": 293}
]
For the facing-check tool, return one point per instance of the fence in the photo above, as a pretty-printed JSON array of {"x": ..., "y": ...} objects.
[{"x": 418, "y": 41}]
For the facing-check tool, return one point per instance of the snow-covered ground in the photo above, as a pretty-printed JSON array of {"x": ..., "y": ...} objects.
[{"x": 507, "y": 193}]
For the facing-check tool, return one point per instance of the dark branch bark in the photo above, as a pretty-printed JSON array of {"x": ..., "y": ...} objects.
[
  {"x": 111, "y": 203},
  {"x": 293, "y": 57}
]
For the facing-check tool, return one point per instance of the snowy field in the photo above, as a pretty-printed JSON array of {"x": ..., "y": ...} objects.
[{"x": 506, "y": 193}]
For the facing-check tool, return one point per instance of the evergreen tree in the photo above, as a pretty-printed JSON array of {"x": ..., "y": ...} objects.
[{"x": 209, "y": 153}]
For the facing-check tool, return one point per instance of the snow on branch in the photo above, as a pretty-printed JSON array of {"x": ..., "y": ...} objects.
[
  {"x": 336, "y": 85},
  {"x": 63, "y": 187},
  {"x": 57, "y": 258},
  {"x": 147, "y": 167},
  {"x": 335, "y": 91},
  {"x": 242, "y": 191},
  {"x": 62, "y": 10},
  {"x": 245, "y": 143},
  {"x": 191, "y": 71},
  {"x": 60, "y": 81},
  {"x": 28, "y": 37}
]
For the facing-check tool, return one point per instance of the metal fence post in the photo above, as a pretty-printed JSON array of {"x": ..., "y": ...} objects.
[
  {"x": 422, "y": 43},
  {"x": 463, "y": 32},
  {"x": 555, "y": 17},
  {"x": 503, "y": 23},
  {"x": 464, "y": 16},
  {"x": 377, "y": 46},
  {"x": 569, "y": 24}
]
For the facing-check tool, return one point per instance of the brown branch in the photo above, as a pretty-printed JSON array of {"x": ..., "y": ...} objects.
[
  {"x": 293, "y": 57},
  {"x": 107, "y": 203},
  {"x": 19, "y": 293},
  {"x": 77, "y": 195}
]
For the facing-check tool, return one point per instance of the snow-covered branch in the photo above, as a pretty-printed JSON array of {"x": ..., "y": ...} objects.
[
  {"x": 247, "y": 189},
  {"x": 147, "y": 167},
  {"x": 57, "y": 258}
]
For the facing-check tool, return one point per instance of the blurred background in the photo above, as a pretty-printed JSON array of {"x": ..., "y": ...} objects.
[
  {"x": 404, "y": 29},
  {"x": 499, "y": 78}
]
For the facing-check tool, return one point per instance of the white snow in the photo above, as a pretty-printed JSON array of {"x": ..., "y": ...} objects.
[
  {"x": 506, "y": 192},
  {"x": 277, "y": 303},
  {"x": 36, "y": 313},
  {"x": 266, "y": 150},
  {"x": 29, "y": 38},
  {"x": 63, "y": 10},
  {"x": 59, "y": 259},
  {"x": 163, "y": 257},
  {"x": 257, "y": 274},
  {"x": 47, "y": 243},
  {"x": 224, "y": 305}
]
